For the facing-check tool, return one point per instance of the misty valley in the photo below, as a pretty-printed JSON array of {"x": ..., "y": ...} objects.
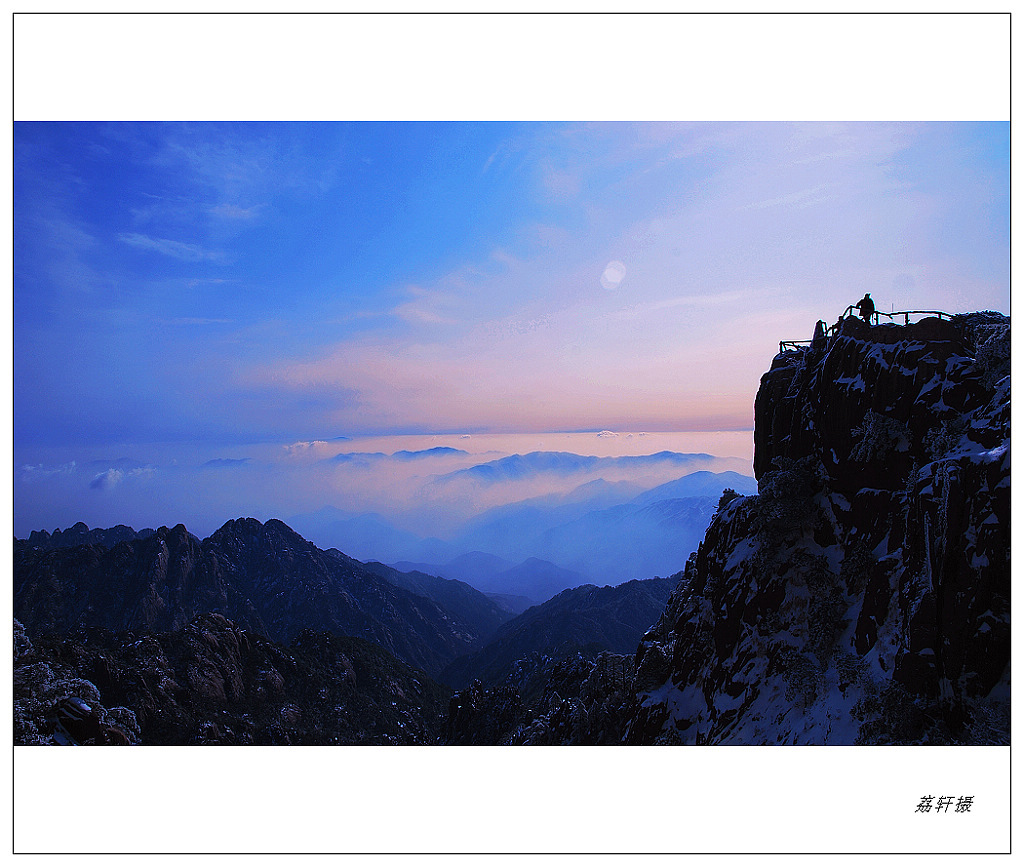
[{"x": 169, "y": 639}]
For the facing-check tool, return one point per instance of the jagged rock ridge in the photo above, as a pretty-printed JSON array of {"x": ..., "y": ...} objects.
[
  {"x": 80, "y": 534},
  {"x": 264, "y": 577},
  {"x": 863, "y": 595}
]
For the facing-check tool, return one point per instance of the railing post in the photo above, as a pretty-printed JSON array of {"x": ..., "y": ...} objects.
[{"x": 832, "y": 330}]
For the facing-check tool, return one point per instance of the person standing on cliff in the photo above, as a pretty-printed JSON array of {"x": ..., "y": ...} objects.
[
  {"x": 819, "y": 335},
  {"x": 866, "y": 307}
]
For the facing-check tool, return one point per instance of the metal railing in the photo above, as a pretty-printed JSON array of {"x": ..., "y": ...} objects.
[
  {"x": 906, "y": 314},
  {"x": 831, "y": 330}
]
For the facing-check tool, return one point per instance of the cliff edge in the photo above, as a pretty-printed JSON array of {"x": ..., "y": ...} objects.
[{"x": 863, "y": 595}]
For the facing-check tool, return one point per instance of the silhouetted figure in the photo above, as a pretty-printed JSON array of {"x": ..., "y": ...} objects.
[
  {"x": 819, "y": 335},
  {"x": 866, "y": 307}
]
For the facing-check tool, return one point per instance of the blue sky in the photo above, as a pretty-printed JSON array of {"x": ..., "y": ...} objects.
[{"x": 260, "y": 282}]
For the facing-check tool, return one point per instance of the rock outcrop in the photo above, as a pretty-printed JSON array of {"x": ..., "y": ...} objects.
[
  {"x": 55, "y": 705},
  {"x": 585, "y": 698},
  {"x": 215, "y": 683},
  {"x": 863, "y": 595}
]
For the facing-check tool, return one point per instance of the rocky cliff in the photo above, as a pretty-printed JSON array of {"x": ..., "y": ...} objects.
[{"x": 862, "y": 596}]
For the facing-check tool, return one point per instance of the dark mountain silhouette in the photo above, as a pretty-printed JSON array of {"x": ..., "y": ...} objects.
[
  {"x": 483, "y": 614},
  {"x": 265, "y": 577},
  {"x": 533, "y": 579},
  {"x": 598, "y": 618},
  {"x": 80, "y": 534},
  {"x": 582, "y": 698}
]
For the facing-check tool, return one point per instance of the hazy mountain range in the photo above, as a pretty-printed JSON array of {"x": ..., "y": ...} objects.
[{"x": 600, "y": 531}]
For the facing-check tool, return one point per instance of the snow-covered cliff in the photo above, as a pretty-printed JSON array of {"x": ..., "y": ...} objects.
[{"x": 863, "y": 595}]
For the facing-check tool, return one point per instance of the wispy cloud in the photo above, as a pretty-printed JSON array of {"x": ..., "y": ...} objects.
[
  {"x": 113, "y": 477},
  {"x": 800, "y": 199},
  {"x": 745, "y": 238},
  {"x": 29, "y": 472},
  {"x": 426, "y": 307},
  {"x": 167, "y": 247},
  {"x": 106, "y": 480},
  {"x": 194, "y": 320},
  {"x": 228, "y": 211}
]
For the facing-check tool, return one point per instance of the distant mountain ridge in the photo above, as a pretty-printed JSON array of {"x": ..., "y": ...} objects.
[
  {"x": 515, "y": 467},
  {"x": 699, "y": 484},
  {"x": 403, "y": 455},
  {"x": 535, "y": 579},
  {"x": 612, "y": 619},
  {"x": 264, "y": 577},
  {"x": 80, "y": 534}
]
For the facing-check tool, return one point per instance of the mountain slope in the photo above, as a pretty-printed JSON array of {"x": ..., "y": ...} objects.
[
  {"x": 598, "y": 618},
  {"x": 699, "y": 484},
  {"x": 517, "y": 467},
  {"x": 482, "y": 614}
]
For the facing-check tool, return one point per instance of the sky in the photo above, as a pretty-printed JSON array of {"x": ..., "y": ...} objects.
[
  {"x": 182, "y": 290},
  {"x": 255, "y": 282}
]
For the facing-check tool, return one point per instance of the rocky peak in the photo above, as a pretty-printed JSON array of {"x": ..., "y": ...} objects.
[
  {"x": 249, "y": 533},
  {"x": 897, "y": 389},
  {"x": 863, "y": 595},
  {"x": 80, "y": 534}
]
